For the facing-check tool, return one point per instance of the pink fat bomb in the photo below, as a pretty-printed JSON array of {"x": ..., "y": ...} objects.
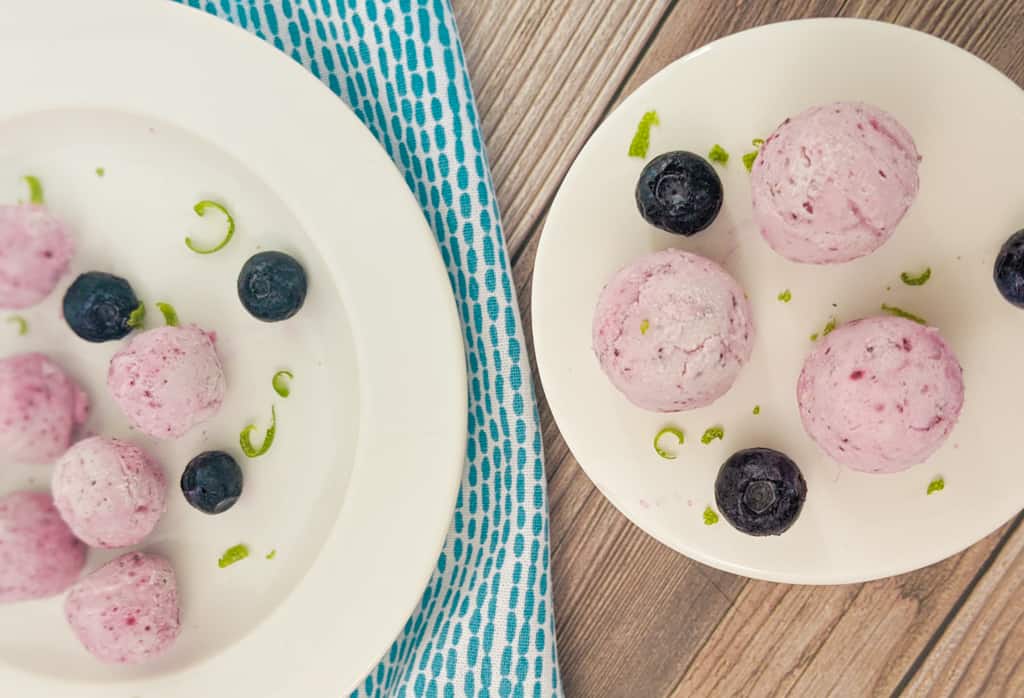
[
  {"x": 111, "y": 493},
  {"x": 40, "y": 408},
  {"x": 35, "y": 251},
  {"x": 832, "y": 183},
  {"x": 672, "y": 331},
  {"x": 880, "y": 394},
  {"x": 126, "y": 612},
  {"x": 167, "y": 380},
  {"x": 39, "y": 556}
]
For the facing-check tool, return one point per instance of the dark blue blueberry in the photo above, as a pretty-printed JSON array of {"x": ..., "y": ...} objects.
[
  {"x": 212, "y": 482},
  {"x": 97, "y": 306},
  {"x": 679, "y": 192},
  {"x": 1009, "y": 269},
  {"x": 272, "y": 286},
  {"x": 760, "y": 491}
]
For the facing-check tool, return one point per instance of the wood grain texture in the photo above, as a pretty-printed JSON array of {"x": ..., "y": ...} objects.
[
  {"x": 981, "y": 653},
  {"x": 635, "y": 619},
  {"x": 543, "y": 73}
]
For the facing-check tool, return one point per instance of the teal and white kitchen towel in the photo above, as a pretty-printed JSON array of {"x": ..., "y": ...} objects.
[{"x": 484, "y": 626}]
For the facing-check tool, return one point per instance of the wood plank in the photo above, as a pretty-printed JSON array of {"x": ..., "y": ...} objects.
[
  {"x": 543, "y": 73},
  {"x": 856, "y": 640},
  {"x": 982, "y": 652}
]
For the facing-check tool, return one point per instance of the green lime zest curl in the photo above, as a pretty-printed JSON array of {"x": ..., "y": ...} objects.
[
  {"x": 936, "y": 485},
  {"x": 21, "y": 322},
  {"x": 674, "y": 431},
  {"x": 718, "y": 154},
  {"x": 280, "y": 383},
  {"x": 35, "y": 189},
  {"x": 200, "y": 209},
  {"x": 642, "y": 139},
  {"x": 245, "y": 441},
  {"x": 167, "y": 310},
  {"x": 916, "y": 279},
  {"x": 900, "y": 312},
  {"x": 710, "y": 517},
  {"x": 138, "y": 316},
  {"x": 712, "y": 433},
  {"x": 233, "y": 555}
]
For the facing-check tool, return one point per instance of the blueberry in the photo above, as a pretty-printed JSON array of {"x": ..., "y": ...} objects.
[
  {"x": 679, "y": 192},
  {"x": 1009, "y": 269},
  {"x": 212, "y": 482},
  {"x": 760, "y": 491},
  {"x": 98, "y": 306},
  {"x": 272, "y": 286}
]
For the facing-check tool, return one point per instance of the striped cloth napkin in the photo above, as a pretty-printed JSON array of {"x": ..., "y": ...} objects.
[{"x": 485, "y": 625}]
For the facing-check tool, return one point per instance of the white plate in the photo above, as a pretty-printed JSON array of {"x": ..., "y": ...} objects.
[
  {"x": 357, "y": 492},
  {"x": 967, "y": 120}
]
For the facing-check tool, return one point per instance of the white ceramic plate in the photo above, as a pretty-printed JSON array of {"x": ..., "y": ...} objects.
[
  {"x": 967, "y": 120},
  {"x": 357, "y": 492}
]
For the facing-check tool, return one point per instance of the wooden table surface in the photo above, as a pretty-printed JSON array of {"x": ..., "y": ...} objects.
[{"x": 635, "y": 619}]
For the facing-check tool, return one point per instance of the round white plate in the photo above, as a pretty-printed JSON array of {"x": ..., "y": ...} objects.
[
  {"x": 357, "y": 491},
  {"x": 967, "y": 120}
]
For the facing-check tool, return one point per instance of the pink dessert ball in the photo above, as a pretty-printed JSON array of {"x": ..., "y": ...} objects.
[
  {"x": 35, "y": 251},
  {"x": 126, "y": 612},
  {"x": 111, "y": 493},
  {"x": 40, "y": 408},
  {"x": 167, "y": 380},
  {"x": 832, "y": 183},
  {"x": 672, "y": 331},
  {"x": 880, "y": 394},
  {"x": 39, "y": 556}
]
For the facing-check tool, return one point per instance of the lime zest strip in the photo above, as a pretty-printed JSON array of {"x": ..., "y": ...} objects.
[
  {"x": 900, "y": 312},
  {"x": 200, "y": 209},
  {"x": 644, "y": 326},
  {"x": 272, "y": 554},
  {"x": 718, "y": 154},
  {"x": 233, "y": 555},
  {"x": 167, "y": 310},
  {"x": 138, "y": 316},
  {"x": 710, "y": 516},
  {"x": 936, "y": 485},
  {"x": 281, "y": 386},
  {"x": 757, "y": 410},
  {"x": 918, "y": 279},
  {"x": 22, "y": 324},
  {"x": 245, "y": 441},
  {"x": 642, "y": 139},
  {"x": 100, "y": 171},
  {"x": 35, "y": 189},
  {"x": 712, "y": 433},
  {"x": 674, "y": 431},
  {"x": 785, "y": 297}
]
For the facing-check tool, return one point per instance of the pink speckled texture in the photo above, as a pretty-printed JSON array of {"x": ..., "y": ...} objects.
[
  {"x": 881, "y": 394},
  {"x": 111, "y": 493},
  {"x": 832, "y": 183},
  {"x": 40, "y": 408},
  {"x": 39, "y": 556},
  {"x": 699, "y": 331},
  {"x": 167, "y": 380},
  {"x": 35, "y": 250},
  {"x": 126, "y": 612}
]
